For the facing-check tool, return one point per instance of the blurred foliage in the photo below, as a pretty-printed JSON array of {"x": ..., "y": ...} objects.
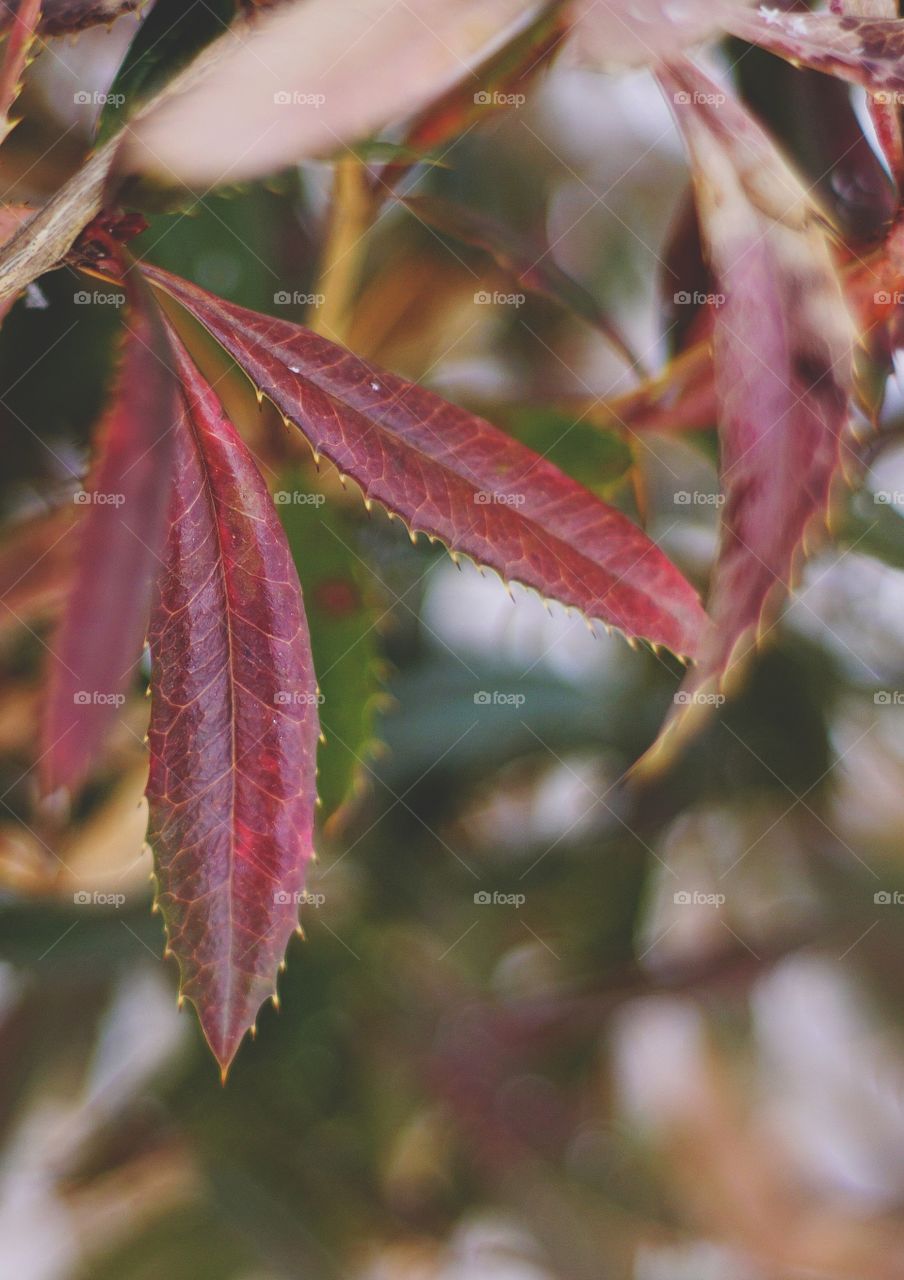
[{"x": 508, "y": 1047}]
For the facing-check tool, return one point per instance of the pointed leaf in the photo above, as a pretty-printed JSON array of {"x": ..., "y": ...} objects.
[
  {"x": 94, "y": 653},
  {"x": 453, "y": 476},
  {"x": 783, "y": 362},
  {"x": 15, "y": 58},
  {"x": 233, "y": 733}
]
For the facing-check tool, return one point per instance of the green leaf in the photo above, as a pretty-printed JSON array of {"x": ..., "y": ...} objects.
[
  {"x": 342, "y": 613},
  {"x": 171, "y": 35},
  {"x": 596, "y": 458}
]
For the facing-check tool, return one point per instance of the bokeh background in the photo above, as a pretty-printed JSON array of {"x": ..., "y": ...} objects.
[{"x": 545, "y": 1023}]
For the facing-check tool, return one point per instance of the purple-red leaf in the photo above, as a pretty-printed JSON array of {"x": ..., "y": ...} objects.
[
  {"x": 94, "y": 653},
  {"x": 455, "y": 477},
  {"x": 783, "y": 366},
  {"x": 234, "y": 726},
  {"x": 867, "y": 51}
]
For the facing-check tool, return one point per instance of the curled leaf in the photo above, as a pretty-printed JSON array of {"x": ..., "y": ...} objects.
[
  {"x": 865, "y": 51},
  {"x": 455, "y": 477},
  {"x": 308, "y": 80},
  {"x": 783, "y": 368},
  {"x": 94, "y": 653},
  {"x": 234, "y": 727}
]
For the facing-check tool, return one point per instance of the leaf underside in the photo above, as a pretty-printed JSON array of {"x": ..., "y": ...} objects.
[
  {"x": 454, "y": 477},
  {"x": 783, "y": 346},
  {"x": 234, "y": 726},
  {"x": 95, "y": 651}
]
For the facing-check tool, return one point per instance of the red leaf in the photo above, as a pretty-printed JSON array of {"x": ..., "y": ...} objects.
[
  {"x": 234, "y": 726},
  {"x": 455, "y": 477},
  {"x": 783, "y": 364},
  {"x": 98, "y": 645}
]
